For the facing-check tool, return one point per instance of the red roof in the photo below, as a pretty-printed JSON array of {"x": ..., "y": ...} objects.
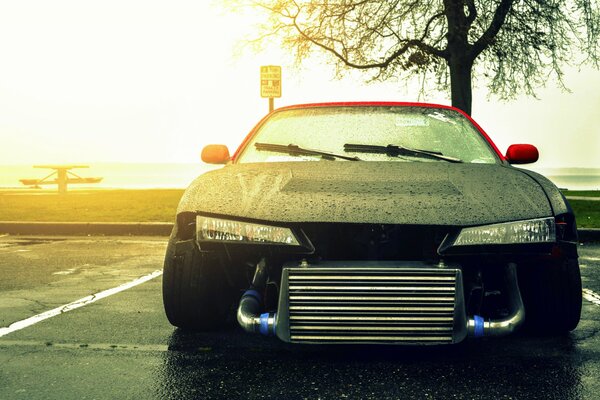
[{"x": 368, "y": 104}]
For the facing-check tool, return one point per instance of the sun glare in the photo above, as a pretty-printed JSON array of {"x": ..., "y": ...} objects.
[{"x": 136, "y": 81}]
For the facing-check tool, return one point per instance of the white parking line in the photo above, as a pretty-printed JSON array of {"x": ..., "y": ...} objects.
[
  {"x": 591, "y": 296},
  {"x": 76, "y": 304}
]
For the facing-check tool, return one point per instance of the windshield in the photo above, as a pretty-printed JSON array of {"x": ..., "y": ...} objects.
[{"x": 329, "y": 129}]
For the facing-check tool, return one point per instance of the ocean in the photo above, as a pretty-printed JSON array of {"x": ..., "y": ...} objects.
[
  {"x": 166, "y": 176},
  {"x": 115, "y": 175}
]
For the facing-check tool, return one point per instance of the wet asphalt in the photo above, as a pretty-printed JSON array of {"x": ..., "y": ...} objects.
[{"x": 122, "y": 347}]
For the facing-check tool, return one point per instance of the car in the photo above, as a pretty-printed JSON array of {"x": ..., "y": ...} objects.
[{"x": 372, "y": 222}]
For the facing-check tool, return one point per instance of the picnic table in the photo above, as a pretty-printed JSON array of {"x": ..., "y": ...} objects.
[{"x": 61, "y": 176}]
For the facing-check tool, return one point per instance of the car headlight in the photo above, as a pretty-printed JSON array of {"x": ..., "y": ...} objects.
[
  {"x": 211, "y": 229},
  {"x": 541, "y": 230}
]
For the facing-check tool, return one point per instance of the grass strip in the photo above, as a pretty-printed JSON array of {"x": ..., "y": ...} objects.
[
  {"x": 153, "y": 205},
  {"x": 583, "y": 193},
  {"x": 587, "y": 213}
]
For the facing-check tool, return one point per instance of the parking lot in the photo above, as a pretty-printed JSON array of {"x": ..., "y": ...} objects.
[{"x": 90, "y": 325}]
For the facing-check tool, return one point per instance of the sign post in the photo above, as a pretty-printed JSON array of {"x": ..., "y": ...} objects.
[{"x": 270, "y": 83}]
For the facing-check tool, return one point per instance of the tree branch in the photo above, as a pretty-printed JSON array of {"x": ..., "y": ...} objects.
[
  {"x": 418, "y": 43},
  {"x": 428, "y": 24},
  {"x": 472, "y": 12},
  {"x": 490, "y": 33}
]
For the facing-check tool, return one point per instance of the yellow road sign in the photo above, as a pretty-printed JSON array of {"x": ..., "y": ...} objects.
[{"x": 270, "y": 81}]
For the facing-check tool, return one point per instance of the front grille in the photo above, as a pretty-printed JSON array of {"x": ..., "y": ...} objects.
[
  {"x": 374, "y": 305},
  {"x": 347, "y": 241}
]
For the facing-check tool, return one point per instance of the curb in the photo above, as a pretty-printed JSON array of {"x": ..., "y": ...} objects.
[
  {"x": 143, "y": 229},
  {"x": 589, "y": 235},
  {"x": 87, "y": 228}
]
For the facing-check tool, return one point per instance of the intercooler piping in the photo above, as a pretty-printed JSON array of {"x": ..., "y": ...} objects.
[
  {"x": 249, "y": 311},
  {"x": 251, "y": 319},
  {"x": 477, "y": 326}
]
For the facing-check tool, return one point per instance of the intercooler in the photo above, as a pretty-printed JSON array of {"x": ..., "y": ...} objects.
[{"x": 371, "y": 304}]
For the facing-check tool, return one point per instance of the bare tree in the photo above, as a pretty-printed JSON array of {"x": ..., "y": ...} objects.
[{"x": 516, "y": 45}]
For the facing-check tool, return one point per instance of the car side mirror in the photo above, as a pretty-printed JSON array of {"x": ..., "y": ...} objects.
[
  {"x": 522, "y": 154},
  {"x": 215, "y": 154}
]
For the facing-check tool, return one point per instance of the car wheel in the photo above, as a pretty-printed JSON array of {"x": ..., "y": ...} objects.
[
  {"x": 196, "y": 295},
  {"x": 552, "y": 296}
]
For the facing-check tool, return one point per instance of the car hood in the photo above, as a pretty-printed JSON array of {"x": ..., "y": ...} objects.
[{"x": 424, "y": 193}]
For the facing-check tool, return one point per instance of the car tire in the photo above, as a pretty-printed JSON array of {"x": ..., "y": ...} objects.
[
  {"x": 196, "y": 295},
  {"x": 552, "y": 295}
]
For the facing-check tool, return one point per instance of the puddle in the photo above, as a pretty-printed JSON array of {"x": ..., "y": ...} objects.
[
  {"x": 588, "y": 258},
  {"x": 28, "y": 242},
  {"x": 66, "y": 272}
]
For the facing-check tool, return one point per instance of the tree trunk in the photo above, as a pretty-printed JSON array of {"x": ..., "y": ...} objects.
[{"x": 460, "y": 82}]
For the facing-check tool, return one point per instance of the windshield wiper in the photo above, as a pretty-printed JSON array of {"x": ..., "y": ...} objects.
[
  {"x": 295, "y": 150},
  {"x": 395, "y": 151}
]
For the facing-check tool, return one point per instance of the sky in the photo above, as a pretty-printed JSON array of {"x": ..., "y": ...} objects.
[{"x": 155, "y": 81}]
